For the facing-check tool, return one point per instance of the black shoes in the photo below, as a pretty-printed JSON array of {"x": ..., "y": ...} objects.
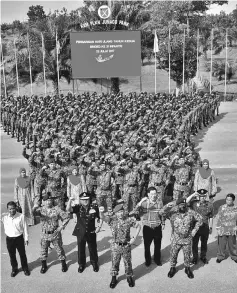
[
  {"x": 64, "y": 266},
  {"x": 158, "y": 263},
  {"x": 95, "y": 267},
  {"x": 235, "y": 260},
  {"x": 26, "y": 272},
  {"x": 44, "y": 267},
  {"x": 172, "y": 272},
  {"x": 14, "y": 273},
  {"x": 219, "y": 260},
  {"x": 131, "y": 282},
  {"x": 147, "y": 263},
  {"x": 204, "y": 260},
  {"x": 113, "y": 282},
  {"x": 189, "y": 273},
  {"x": 81, "y": 269},
  {"x": 194, "y": 261}
]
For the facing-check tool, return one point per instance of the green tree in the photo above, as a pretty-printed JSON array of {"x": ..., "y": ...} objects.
[{"x": 36, "y": 13}]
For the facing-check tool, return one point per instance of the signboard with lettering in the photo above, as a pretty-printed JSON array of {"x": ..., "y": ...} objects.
[{"x": 105, "y": 54}]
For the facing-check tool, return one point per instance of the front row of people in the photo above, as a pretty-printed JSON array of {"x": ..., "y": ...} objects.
[{"x": 191, "y": 219}]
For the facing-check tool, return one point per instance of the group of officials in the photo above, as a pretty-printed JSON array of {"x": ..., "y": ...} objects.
[{"x": 113, "y": 158}]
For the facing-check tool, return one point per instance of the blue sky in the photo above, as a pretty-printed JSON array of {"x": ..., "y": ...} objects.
[{"x": 12, "y": 10}]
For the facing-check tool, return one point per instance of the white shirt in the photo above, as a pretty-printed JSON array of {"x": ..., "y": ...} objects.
[{"x": 15, "y": 226}]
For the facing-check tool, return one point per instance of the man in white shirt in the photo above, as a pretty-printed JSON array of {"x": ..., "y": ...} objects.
[{"x": 15, "y": 227}]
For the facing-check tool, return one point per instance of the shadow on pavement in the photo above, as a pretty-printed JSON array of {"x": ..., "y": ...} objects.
[{"x": 202, "y": 133}]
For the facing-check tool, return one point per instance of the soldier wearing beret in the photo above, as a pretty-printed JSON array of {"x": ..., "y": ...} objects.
[
  {"x": 182, "y": 221},
  {"x": 85, "y": 229},
  {"x": 51, "y": 231},
  {"x": 200, "y": 205},
  {"x": 120, "y": 226}
]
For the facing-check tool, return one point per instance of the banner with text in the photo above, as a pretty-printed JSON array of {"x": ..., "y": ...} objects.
[{"x": 105, "y": 54}]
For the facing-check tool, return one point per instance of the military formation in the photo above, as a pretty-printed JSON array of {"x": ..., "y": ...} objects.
[{"x": 95, "y": 154}]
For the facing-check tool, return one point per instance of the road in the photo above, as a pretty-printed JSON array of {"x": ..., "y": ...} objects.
[{"x": 218, "y": 143}]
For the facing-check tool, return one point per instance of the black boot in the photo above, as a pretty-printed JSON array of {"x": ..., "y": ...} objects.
[
  {"x": 172, "y": 272},
  {"x": 44, "y": 267},
  {"x": 131, "y": 282},
  {"x": 113, "y": 282},
  {"x": 64, "y": 265},
  {"x": 189, "y": 273}
]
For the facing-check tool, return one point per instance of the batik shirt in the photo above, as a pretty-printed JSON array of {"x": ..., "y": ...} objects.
[
  {"x": 205, "y": 209},
  {"x": 226, "y": 220}
]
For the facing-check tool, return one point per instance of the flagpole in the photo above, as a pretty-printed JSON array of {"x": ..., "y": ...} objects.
[
  {"x": 155, "y": 72},
  {"x": 211, "y": 60},
  {"x": 197, "y": 51},
  {"x": 31, "y": 87},
  {"x": 169, "y": 60},
  {"x": 57, "y": 61},
  {"x": 16, "y": 69},
  {"x": 226, "y": 62},
  {"x": 43, "y": 49},
  {"x": 183, "y": 59},
  {"x": 3, "y": 69}
]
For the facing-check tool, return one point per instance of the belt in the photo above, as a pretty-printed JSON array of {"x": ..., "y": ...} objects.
[
  {"x": 49, "y": 232},
  {"x": 15, "y": 237},
  {"x": 122, "y": 244},
  {"x": 182, "y": 183},
  {"x": 132, "y": 185},
  {"x": 159, "y": 184}
]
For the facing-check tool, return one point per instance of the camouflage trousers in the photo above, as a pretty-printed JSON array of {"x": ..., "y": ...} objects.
[
  {"x": 175, "y": 248},
  {"x": 57, "y": 242},
  {"x": 117, "y": 252},
  {"x": 130, "y": 200},
  {"x": 104, "y": 198},
  {"x": 180, "y": 191}
]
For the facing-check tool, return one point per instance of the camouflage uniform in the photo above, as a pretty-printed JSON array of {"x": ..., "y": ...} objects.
[
  {"x": 183, "y": 181},
  {"x": 120, "y": 246},
  {"x": 55, "y": 181},
  {"x": 130, "y": 188},
  {"x": 49, "y": 223},
  {"x": 181, "y": 238}
]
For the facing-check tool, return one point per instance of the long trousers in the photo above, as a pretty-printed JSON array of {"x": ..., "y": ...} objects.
[
  {"x": 149, "y": 235},
  {"x": 13, "y": 244},
  {"x": 222, "y": 242},
  {"x": 118, "y": 252},
  {"x": 92, "y": 246},
  {"x": 203, "y": 235}
]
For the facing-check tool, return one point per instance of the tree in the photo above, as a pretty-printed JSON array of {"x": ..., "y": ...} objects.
[{"x": 36, "y": 13}]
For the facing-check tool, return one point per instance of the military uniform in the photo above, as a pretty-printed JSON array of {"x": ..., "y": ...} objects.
[
  {"x": 85, "y": 231},
  {"x": 183, "y": 181},
  {"x": 206, "y": 210},
  {"x": 50, "y": 222}
]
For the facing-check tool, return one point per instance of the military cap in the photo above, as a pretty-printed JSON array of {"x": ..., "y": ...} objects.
[
  {"x": 84, "y": 195},
  {"x": 47, "y": 196},
  {"x": 202, "y": 192},
  {"x": 180, "y": 201}
]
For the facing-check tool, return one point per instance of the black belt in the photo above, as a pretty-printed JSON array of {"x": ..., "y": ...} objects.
[
  {"x": 122, "y": 244},
  {"x": 49, "y": 232},
  {"x": 15, "y": 237},
  {"x": 182, "y": 183},
  {"x": 132, "y": 185},
  {"x": 159, "y": 184}
]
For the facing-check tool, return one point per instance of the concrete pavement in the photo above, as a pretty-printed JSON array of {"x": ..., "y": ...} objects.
[{"x": 218, "y": 143}]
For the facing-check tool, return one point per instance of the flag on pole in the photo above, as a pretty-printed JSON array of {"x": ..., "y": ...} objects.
[
  {"x": 183, "y": 60},
  {"x": 17, "y": 80},
  {"x": 197, "y": 52},
  {"x": 57, "y": 50},
  {"x": 226, "y": 61},
  {"x": 156, "y": 45},
  {"x": 28, "y": 41},
  {"x": 211, "y": 60},
  {"x": 169, "y": 45},
  {"x": 43, "y": 50}
]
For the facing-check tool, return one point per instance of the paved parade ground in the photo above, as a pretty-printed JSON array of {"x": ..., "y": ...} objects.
[{"x": 218, "y": 143}]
